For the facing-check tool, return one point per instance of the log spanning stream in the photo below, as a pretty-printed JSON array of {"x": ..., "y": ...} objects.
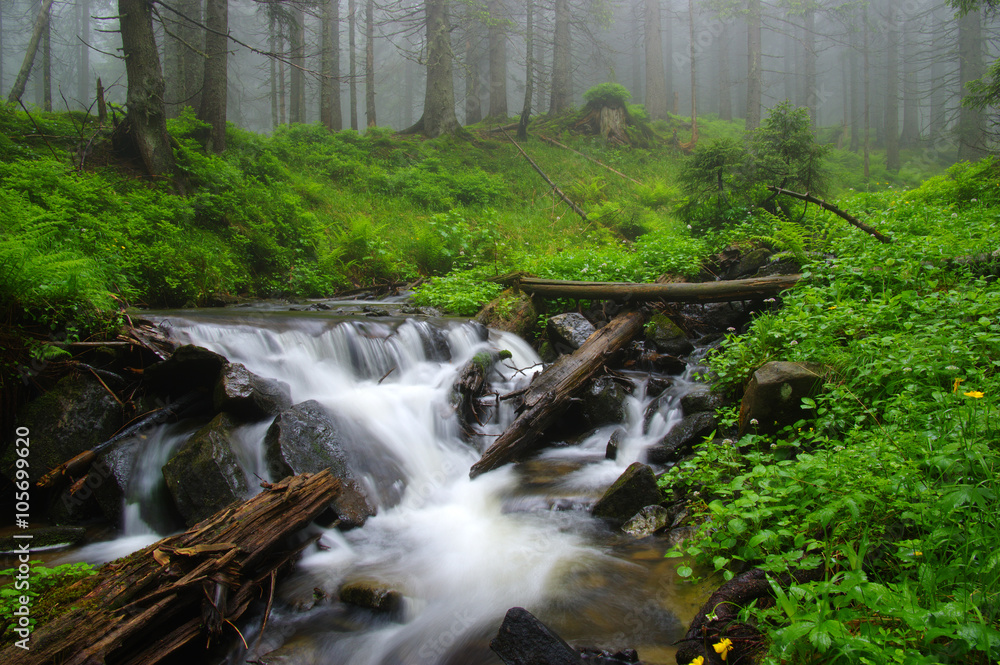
[{"x": 461, "y": 552}]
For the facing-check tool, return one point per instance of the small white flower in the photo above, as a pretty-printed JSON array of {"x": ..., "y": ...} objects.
[
  {"x": 954, "y": 214},
  {"x": 794, "y": 342},
  {"x": 730, "y": 329},
  {"x": 974, "y": 200},
  {"x": 951, "y": 368},
  {"x": 754, "y": 422},
  {"x": 689, "y": 226},
  {"x": 727, "y": 442},
  {"x": 697, "y": 493},
  {"x": 907, "y": 369},
  {"x": 773, "y": 446},
  {"x": 770, "y": 300}
]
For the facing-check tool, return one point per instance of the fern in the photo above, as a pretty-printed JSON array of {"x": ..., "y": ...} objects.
[{"x": 796, "y": 238}]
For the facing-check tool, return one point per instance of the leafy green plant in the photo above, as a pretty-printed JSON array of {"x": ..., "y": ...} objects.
[
  {"x": 39, "y": 580},
  {"x": 607, "y": 94}
]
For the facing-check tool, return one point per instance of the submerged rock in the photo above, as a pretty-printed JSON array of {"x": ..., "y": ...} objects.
[
  {"x": 524, "y": 640},
  {"x": 667, "y": 336},
  {"x": 304, "y": 439},
  {"x": 648, "y": 521},
  {"x": 634, "y": 490},
  {"x": 681, "y": 438},
  {"x": 701, "y": 398},
  {"x": 603, "y": 402},
  {"x": 372, "y": 595},
  {"x": 570, "y": 330},
  {"x": 188, "y": 368},
  {"x": 773, "y": 397},
  {"x": 246, "y": 395},
  {"x": 203, "y": 476},
  {"x": 614, "y": 443}
]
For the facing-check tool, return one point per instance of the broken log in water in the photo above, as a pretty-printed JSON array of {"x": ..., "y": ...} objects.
[
  {"x": 551, "y": 392},
  {"x": 143, "y": 607},
  {"x": 721, "y": 291}
]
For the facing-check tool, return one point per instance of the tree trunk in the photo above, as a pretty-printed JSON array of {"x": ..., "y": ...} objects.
[
  {"x": 282, "y": 110},
  {"x": 439, "y": 97},
  {"x": 812, "y": 90},
  {"x": 144, "y": 607},
  {"x": 216, "y": 81},
  {"x": 892, "y": 161},
  {"x": 939, "y": 114},
  {"x": 721, "y": 291},
  {"x": 656, "y": 82},
  {"x": 370, "y": 64},
  {"x": 498, "y": 61},
  {"x": 41, "y": 20},
  {"x": 296, "y": 112},
  {"x": 145, "y": 127},
  {"x": 867, "y": 96},
  {"x": 910, "y": 135},
  {"x": 855, "y": 90},
  {"x": 329, "y": 95},
  {"x": 409, "y": 72},
  {"x": 551, "y": 393},
  {"x": 694, "y": 75},
  {"x": 725, "y": 83},
  {"x": 755, "y": 75},
  {"x": 352, "y": 62},
  {"x": 46, "y": 78},
  {"x": 272, "y": 44},
  {"x": 192, "y": 64},
  {"x": 971, "y": 124},
  {"x": 473, "y": 95},
  {"x": 529, "y": 71},
  {"x": 561, "y": 99}
]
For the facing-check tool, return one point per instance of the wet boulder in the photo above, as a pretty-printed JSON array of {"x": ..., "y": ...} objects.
[
  {"x": 701, "y": 398},
  {"x": 304, "y": 439},
  {"x": 682, "y": 438},
  {"x": 717, "y": 316},
  {"x": 524, "y": 640},
  {"x": 749, "y": 263},
  {"x": 511, "y": 312},
  {"x": 634, "y": 490},
  {"x": 372, "y": 595},
  {"x": 242, "y": 393},
  {"x": 569, "y": 330},
  {"x": 667, "y": 336},
  {"x": 644, "y": 356},
  {"x": 773, "y": 398},
  {"x": 648, "y": 521},
  {"x": 188, "y": 368},
  {"x": 204, "y": 476},
  {"x": 614, "y": 443},
  {"x": 602, "y": 403}
]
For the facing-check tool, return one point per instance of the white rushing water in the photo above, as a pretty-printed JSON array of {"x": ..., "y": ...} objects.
[{"x": 462, "y": 552}]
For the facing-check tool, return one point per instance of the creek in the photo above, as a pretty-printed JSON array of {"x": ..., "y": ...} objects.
[{"x": 461, "y": 552}]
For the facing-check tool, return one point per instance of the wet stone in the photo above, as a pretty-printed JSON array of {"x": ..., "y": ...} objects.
[
  {"x": 246, "y": 395},
  {"x": 682, "y": 438},
  {"x": 524, "y": 640},
  {"x": 371, "y": 595},
  {"x": 648, "y": 521},
  {"x": 611, "y": 452},
  {"x": 570, "y": 330},
  {"x": 634, "y": 490},
  {"x": 701, "y": 398}
]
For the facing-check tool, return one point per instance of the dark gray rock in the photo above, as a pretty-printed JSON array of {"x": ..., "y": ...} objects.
[
  {"x": 749, "y": 263},
  {"x": 634, "y": 490},
  {"x": 717, "y": 316},
  {"x": 51, "y": 537},
  {"x": 512, "y": 312},
  {"x": 372, "y": 595},
  {"x": 570, "y": 330},
  {"x": 242, "y": 393},
  {"x": 524, "y": 640},
  {"x": 188, "y": 368},
  {"x": 203, "y": 476},
  {"x": 781, "y": 267},
  {"x": 773, "y": 398},
  {"x": 667, "y": 336},
  {"x": 701, "y": 398},
  {"x": 304, "y": 439},
  {"x": 648, "y": 521},
  {"x": 681, "y": 438},
  {"x": 611, "y": 452},
  {"x": 603, "y": 402},
  {"x": 644, "y": 356}
]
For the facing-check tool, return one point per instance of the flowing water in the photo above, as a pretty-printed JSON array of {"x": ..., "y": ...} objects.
[{"x": 461, "y": 552}]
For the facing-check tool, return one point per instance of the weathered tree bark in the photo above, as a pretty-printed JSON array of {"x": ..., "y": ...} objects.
[
  {"x": 473, "y": 94},
  {"x": 529, "y": 71},
  {"x": 370, "y": 119},
  {"x": 809, "y": 46},
  {"x": 971, "y": 124},
  {"x": 722, "y": 291},
  {"x": 46, "y": 77},
  {"x": 725, "y": 84},
  {"x": 142, "y": 608},
  {"x": 851, "y": 219},
  {"x": 555, "y": 189},
  {"x": 329, "y": 94},
  {"x": 439, "y": 97},
  {"x": 216, "y": 81},
  {"x": 29, "y": 54},
  {"x": 656, "y": 82},
  {"x": 755, "y": 74},
  {"x": 297, "y": 84},
  {"x": 352, "y": 62},
  {"x": 550, "y": 394},
  {"x": 892, "y": 159},
  {"x": 561, "y": 71},
  {"x": 910, "y": 134},
  {"x": 498, "y": 60},
  {"x": 145, "y": 127},
  {"x": 272, "y": 44}
]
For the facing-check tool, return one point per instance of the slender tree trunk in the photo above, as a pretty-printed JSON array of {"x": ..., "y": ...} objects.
[
  {"x": 370, "y": 63},
  {"x": 41, "y": 20},
  {"x": 1, "y": 47},
  {"x": 656, "y": 80},
  {"x": 83, "y": 52},
  {"x": 296, "y": 40},
  {"x": 725, "y": 77},
  {"x": 329, "y": 106},
  {"x": 755, "y": 80},
  {"x": 635, "y": 56},
  {"x": 439, "y": 98},
  {"x": 812, "y": 90},
  {"x": 352, "y": 61},
  {"x": 282, "y": 107},
  {"x": 272, "y": 44},
  {"x": 911, "y": 103},
  {"x": 145, "y": 126},
  {"x": 498, "y": 61},
  {"x": 694, "y": 75},
  {"x": 939, "y": 113},
  {"x": 473, "y": 95},
  {"x": 216, "y": 80},
  {"x": 191, "y": 64},
  {"x": 789, "y": 64},
  {"x": 892, "y": 160},
  {"x": 47, "y": 65},
  {"x": 971, "y": 125},
  {"x": 408, "y": 76},
  {"x": 868, "y": 123},
  {"x": 855, "y": 90},
  {"x": 529, "y": 71},
  {"x": 561, "y": 99}
]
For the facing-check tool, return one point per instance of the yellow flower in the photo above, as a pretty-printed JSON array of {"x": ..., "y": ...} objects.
[
  {"x": 975, "y": 394},
  {"x": 724, "y": 647},
  {"x": 700, "y": 660},
  {"x": 954, "y": 387},
  {"x": 834, "y": 307}
]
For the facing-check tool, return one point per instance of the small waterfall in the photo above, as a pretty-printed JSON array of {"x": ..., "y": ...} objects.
[{"x": 461, "y": 552}]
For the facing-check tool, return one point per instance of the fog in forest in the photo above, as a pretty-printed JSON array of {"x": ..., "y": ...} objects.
[{"x": 899, "y": 68}]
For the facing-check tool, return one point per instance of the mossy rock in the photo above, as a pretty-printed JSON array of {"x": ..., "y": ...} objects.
[
  {"x": 511, "y": 312},
  {"x": 667, "y": 336}
]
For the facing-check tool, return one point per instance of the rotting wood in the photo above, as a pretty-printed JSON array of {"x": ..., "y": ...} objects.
[
  {"x": 555, "y": 189},
  {"x": 145, "y": 606},
  {"x": 851, "y": 219},
  {"x": 721, "y": 291},
  {"x": 552, "y": 391}
]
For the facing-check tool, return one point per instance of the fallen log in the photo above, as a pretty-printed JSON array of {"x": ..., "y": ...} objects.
[
  {"x": 721, "y": 291},
  {"x": 143, "y": 607},
  {"x": 851, "y": 219},
  {"x": 555, "y": 189},
  {"x": 551, "y": 392}
]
